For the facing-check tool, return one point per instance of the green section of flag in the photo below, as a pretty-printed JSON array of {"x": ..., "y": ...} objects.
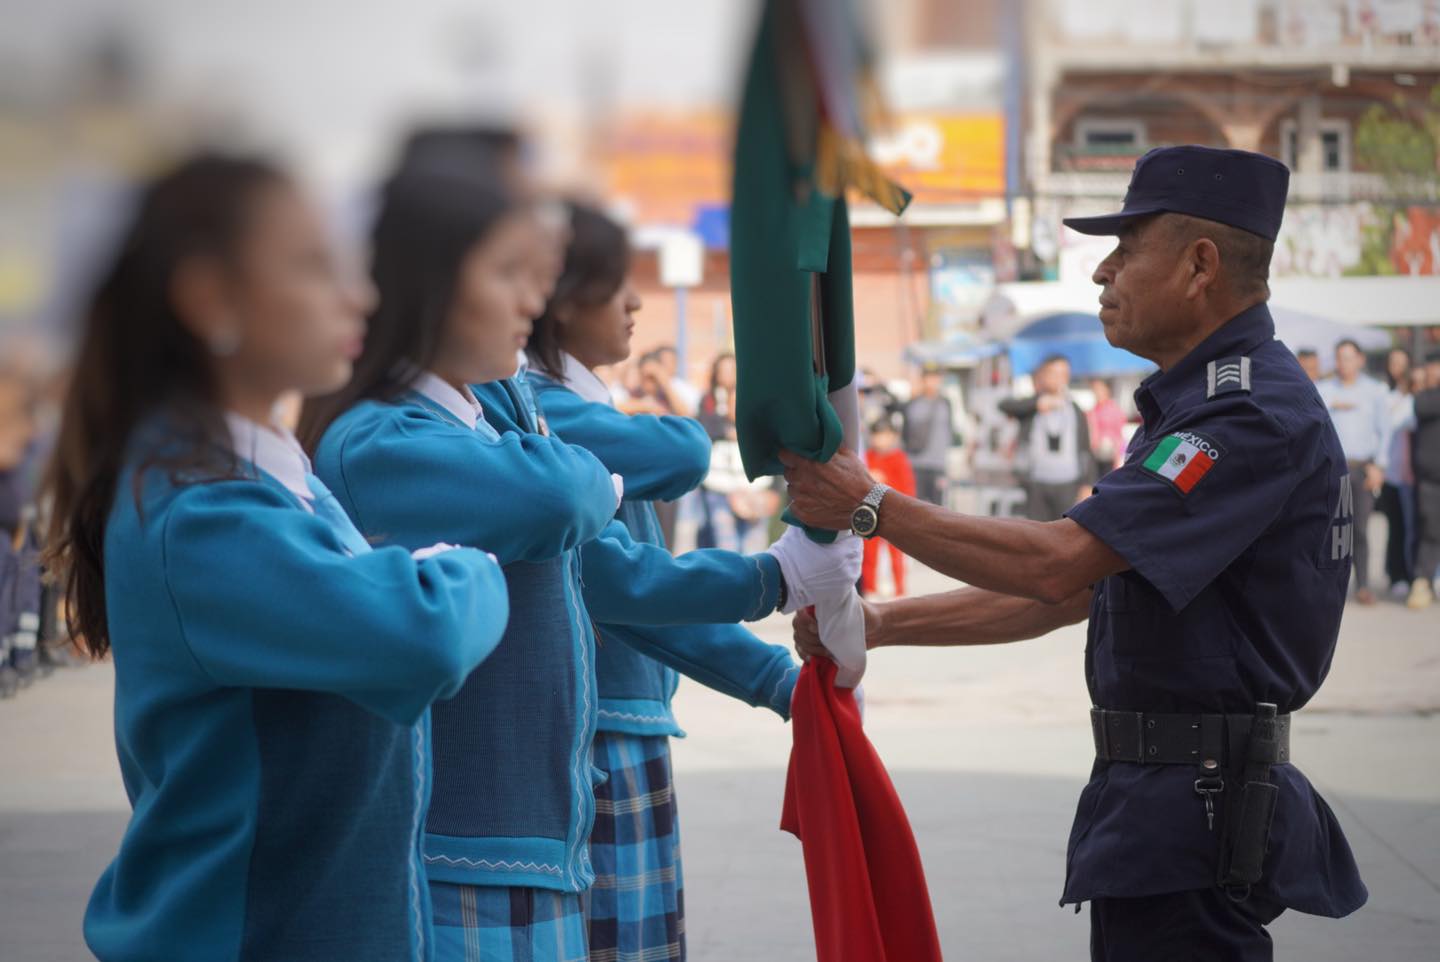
[
  {"x": 789, "y": 262},
  {"x": 1162, "y": 453}
]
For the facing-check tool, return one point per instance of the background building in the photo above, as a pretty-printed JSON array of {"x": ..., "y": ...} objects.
[{"x": 1345, "y": 92}]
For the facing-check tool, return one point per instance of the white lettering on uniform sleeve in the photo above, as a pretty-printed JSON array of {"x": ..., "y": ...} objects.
[{"x": 1342, "y": 525}]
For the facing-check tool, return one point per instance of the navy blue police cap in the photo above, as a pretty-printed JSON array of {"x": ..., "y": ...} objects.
[{"x": 1234, "y": 187}]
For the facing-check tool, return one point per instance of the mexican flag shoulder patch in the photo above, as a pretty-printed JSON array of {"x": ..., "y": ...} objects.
[{"x": 1183, "y": 459}]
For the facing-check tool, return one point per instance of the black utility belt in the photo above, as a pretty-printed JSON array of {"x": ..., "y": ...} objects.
[{"x": 1148, "y": 738}]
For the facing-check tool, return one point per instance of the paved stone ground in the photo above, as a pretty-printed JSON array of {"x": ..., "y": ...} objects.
[{"x": 988, "y": 747}]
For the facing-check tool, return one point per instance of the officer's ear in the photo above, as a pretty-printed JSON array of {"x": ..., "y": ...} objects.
[{"x": 1202, "y": 262}]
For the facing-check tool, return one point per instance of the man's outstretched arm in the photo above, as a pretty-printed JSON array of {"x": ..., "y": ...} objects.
[
  {"x": 969, "y": 616},
  {"x": 1047, "y": 562}
]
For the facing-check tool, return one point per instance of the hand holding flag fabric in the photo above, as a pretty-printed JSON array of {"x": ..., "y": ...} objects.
[
  {"x": 824, "y": 576},
  {"x": 814, "y": 571},
  {"x": 825, "y": 494}
]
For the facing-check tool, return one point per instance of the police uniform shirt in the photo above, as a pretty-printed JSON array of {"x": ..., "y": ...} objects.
[{"x": 1233, "y": 510}]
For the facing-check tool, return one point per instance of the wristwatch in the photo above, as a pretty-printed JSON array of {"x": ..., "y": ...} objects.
[{"x": 865, "y": 520}]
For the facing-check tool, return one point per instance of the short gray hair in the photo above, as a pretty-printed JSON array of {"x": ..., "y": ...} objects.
[{"x": 1245, "y": 256}]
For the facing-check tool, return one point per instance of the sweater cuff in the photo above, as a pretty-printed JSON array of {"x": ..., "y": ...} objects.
[
  {"x": 768, "y": 578},
  {"x": 784, "y": 690}
]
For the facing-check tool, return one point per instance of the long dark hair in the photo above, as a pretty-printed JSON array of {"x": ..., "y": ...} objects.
[
  {"x": 710, "y": 403},
  {"x": 596, "y": 263},
  {"x": 136, "y": 359},
  {"x": 428, "y": 223}
]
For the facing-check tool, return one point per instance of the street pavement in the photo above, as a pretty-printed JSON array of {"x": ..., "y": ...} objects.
[{"x": 988, "y": 747}]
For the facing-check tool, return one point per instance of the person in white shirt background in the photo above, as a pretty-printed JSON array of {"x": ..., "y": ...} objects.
[{"x": 1359, "y": 406}]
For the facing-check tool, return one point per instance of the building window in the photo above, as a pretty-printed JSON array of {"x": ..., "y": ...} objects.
[
  {"x": 1094, "y": 135},
  {"x": 1334, "y": 145}
]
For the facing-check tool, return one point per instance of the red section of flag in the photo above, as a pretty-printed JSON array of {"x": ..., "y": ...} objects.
[
  {"x": 1194, "y": 471},
  {"x": 868, "y": 897}
]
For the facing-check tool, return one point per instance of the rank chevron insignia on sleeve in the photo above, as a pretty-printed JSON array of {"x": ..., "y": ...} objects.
[{"x": 1228, "y": 375}]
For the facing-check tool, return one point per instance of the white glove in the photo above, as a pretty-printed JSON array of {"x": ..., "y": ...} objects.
[
  {"x": 420, "y": 554},
  {"x": 841, "y": 620},
  {"x": 619, "y": 484},
  {"x": 814, "y": 571}
]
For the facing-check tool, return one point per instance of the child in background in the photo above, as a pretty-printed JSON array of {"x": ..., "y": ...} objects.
[{"x": 890, "y": 465}]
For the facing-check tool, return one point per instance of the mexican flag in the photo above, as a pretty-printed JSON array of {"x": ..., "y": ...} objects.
[
  {"x": 1183, "y": 459},
  {"x": 808, "y": 100}
]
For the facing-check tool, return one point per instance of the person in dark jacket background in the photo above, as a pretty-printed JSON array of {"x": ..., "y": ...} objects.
[
  {"x": 1426, "y": 461},
  {"x": 929, "y": 433}
]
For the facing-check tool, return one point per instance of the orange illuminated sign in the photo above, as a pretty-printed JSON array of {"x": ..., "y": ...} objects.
[
  {"x": 663, "y": 166},
  {"x": 945, "y": 158}
]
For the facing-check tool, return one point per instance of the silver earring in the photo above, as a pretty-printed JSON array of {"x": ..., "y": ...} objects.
[{"x": 224, "y": 343}]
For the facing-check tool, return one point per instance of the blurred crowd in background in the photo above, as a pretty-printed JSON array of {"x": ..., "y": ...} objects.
[
  {"x": 31, "y": 633},
  {"x": 1028, "y": 447},
  {"x": 1035, "y": 450},
  {"x": 987, "y": 382}
]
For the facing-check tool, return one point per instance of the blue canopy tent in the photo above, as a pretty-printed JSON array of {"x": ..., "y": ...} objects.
[{"x": 1080, "y": 339}]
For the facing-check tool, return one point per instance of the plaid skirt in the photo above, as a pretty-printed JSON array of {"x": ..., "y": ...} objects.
[
  {"x": 479, "y": 923},
  {"x": 636, "y": 909}
]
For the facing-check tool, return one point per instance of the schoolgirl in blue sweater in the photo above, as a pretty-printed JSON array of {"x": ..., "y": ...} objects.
[
  {"x": 409, "y": 452},
  {"x": 637, "y": 909},
  {"x": 435, "y": 437},
  {"x": 273, "y": 673}
]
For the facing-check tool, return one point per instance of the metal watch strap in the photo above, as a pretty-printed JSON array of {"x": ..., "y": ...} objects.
[{"x": 876, "y": 495}]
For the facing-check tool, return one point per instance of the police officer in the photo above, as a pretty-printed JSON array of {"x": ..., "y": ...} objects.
[{"x": 1212, "y": 567}]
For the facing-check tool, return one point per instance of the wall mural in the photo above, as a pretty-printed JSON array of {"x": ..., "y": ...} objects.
[{"x": 1360, "y": 239}]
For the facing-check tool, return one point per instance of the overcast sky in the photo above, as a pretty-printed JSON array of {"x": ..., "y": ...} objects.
[{"x": 334, "y": 77}]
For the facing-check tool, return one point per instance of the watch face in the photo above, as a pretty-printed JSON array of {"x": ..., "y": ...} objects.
[{"x": 864, "y": 521}]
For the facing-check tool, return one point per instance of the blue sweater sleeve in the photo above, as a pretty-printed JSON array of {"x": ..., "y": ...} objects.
[
  {"x": 660, "y": 458},
  {"x": 417, "y": 480},
  {"x": 634, "y": 583},
  {"x": 266, "y": 598},
  {"x": 728, "y": 658}
]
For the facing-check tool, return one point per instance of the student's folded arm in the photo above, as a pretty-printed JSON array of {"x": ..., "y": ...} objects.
[
  {"x": 630, "y": 582},
  {"x": 521, "y": 497},
  {"x": 266, "y": 597},
  {"x": 660, "y": 458}
]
